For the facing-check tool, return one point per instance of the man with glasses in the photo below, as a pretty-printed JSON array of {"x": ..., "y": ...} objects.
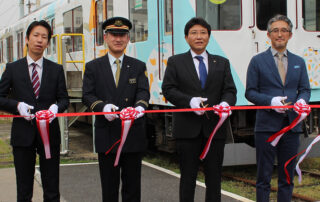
[{"x": 276, "y": 77}]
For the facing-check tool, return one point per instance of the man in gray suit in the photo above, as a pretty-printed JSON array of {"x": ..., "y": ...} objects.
[
  {"x": 190, "y": 79},
  {"x": 276, "y": 77}
]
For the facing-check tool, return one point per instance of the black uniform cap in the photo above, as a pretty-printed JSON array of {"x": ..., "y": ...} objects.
[{"x": 118, "y": 25}]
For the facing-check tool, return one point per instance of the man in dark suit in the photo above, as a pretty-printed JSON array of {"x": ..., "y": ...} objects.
[
  {"x": 113, "y": 82},
  {"x": 276, "y": 77},
  {"x": 29, "y": 85},
  {"x": 190, "y": 79}
]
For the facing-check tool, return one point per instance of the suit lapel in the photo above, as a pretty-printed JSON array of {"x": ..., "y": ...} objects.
[
  {"x": 268, "y": 58},
  {"x": 290, "y": 67},
  {"x": 26, "y": 75},
  {"x": 190, "y": 67},
  {"x": 45, "y": 69},
  {"x": 107, "y": 73},
  {"x": 124, "y": 75},
  {"x": 211, "y": 68}
]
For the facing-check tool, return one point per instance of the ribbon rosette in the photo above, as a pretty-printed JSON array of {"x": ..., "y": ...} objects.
[
  {"x": 303, "y": 111},
  {"x": 43, "y": 117},
  {"x": 223, "y": 112},
  {"x": 127, "y": 117}
]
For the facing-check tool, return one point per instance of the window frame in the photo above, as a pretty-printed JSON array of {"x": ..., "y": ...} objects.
[{"x": 241, "y": 18}]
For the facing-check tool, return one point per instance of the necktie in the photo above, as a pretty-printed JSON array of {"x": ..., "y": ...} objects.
[
  {"x": 118, "y": 71},
  {"x": 202, "y": 71},
  {"x": 281, "y": 69},
  {"x": 35, "y": 80}
]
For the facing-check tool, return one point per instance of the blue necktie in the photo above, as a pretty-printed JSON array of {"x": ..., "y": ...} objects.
[{"x": 202, "y": 71}]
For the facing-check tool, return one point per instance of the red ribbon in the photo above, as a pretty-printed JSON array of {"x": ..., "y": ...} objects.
[
  {"x": 43, "y": 118},
  {"x": 303, "y": 110},
  {"x": 127, "y": 117},
  {"x": 223, "y": 113}
]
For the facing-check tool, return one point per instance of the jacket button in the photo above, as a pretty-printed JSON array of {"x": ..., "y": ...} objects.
[{"x": 126, "y": 99}]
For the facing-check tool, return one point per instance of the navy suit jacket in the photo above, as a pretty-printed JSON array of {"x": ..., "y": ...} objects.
[
  {"x": 181, "y": 83},
  {"x": 264, "y": 83},
  {"x": 16, "y": 86}
]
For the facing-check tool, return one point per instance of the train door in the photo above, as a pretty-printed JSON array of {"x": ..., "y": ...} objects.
[
  {"x": 307, "y": 43},
  {"x": 165, "y": 45}
]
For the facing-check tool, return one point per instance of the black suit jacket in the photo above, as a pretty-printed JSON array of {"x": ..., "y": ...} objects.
[
  {"x": 181, "y": 83},
  {"x": 99, "y": 89},
  {"x": 16, "y": 86}
]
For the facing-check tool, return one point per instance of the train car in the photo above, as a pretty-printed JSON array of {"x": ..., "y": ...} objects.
[{"x": 238, "y": 33}]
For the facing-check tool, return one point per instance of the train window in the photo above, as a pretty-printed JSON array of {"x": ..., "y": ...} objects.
[
  {"x": 72, "y": 23},
  {"x": 138, "y": 14},
  {"x": 53, "y": 40},
  {"x": 109, "y": 8},
  {"x": 1, "y": 51},
  {"x": 20, "y": 44},
  {"x": 266, "y": 9},
  {"x": 311, "y": 15},
  {"x": 9, "y": 42},
  {"x": 168, "y": 16},
  {"x": 99, "y": 20},
  {"x": 225, "y": 16}
]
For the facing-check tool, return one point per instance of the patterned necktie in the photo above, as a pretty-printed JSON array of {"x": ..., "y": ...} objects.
[
  {"x": 35, "y": 80},
  {"x": 281, "y": 68},
  {"x": 202, "y": 71},
  {"x": 118, "y": 71}
]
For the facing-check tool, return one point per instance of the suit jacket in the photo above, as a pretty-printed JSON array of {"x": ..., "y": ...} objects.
[
  {"x": 16, "y": 86},
  {"x": 264, "y": 83},
  {"x": 181, "y": 83},
  {"x": 99, "y": 89}
]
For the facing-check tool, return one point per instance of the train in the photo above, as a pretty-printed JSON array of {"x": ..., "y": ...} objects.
[{"x": 238, "y": 33}]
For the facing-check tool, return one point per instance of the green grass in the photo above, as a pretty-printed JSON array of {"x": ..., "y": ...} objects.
[{"x": 6, "y": 157}]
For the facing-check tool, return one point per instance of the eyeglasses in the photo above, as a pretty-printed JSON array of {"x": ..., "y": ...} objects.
[{"x": 282, "y": 31}]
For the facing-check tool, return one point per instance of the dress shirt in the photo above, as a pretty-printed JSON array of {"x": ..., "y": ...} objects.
[
  {"x": 39, "y": 67},
  {"x": 196, "y": 61},
  {"x": 284, "y": 58},
  {"x": 113, "y": 64}
]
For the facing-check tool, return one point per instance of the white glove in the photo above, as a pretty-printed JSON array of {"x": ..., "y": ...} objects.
[
  {"x": 110, "y": 108},
  {"x": 195, "y": 103},
  {"x": 301, "y": 101},
  {"x": 23, "y": 109},
  {"x": 140, "y": 110},
  {"x": 54, "y": 109},
  {"x": 225, "y": 104},
  {"x": 276, "y": 101}
]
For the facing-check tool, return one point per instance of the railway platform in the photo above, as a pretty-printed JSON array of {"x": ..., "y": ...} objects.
[{"x": 81, "y": 183}]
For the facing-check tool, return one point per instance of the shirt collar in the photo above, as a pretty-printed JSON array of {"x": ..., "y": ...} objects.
[
  {"x": 113, "y": 59},
  {"x": 204, "y": 54},
  {"x": 274, "y": 52},
  {"x": 38, "y": 62}
]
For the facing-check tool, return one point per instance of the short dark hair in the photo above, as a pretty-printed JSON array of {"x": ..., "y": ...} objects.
[
  {"x": 279, "y": 17},
  {"x": 42, "y": 23},
  {"x": 196, "y": 21}
]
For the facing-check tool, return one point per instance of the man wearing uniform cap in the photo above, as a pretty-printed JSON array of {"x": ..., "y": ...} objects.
[{"x": 113, "y": 82}]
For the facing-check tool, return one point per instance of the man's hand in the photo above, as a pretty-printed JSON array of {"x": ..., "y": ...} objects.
[
  {"x": 301, "y": 101},
  {"x": 140, "y": 110},
  {"x": 278, "y": 101},
  {"x": 54, "y": 109},
  {"x": 195, "y": 103},
  {"x": 24, "y": 110},
  {"x": 110, "y": 108}
]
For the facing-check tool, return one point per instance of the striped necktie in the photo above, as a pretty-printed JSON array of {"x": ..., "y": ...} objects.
[{"x": 35, "y": 80}]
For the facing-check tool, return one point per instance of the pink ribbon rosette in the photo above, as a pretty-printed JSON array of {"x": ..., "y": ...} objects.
[
  {"x": 303, "y": 111},
  {"x": 223, "y": 113},
  {"x": 127, "y": 117},
  {"x": 43, "y": 118}
]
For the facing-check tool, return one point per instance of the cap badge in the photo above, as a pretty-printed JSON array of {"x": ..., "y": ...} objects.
[{"x": 118, "y": 23}]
